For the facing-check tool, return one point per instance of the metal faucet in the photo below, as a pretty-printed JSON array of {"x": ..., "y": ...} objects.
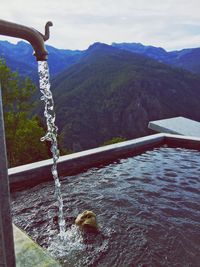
[{"x": 34, "y": 37}]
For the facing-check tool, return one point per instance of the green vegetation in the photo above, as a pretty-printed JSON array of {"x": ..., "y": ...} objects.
[
  {"x": 23, "y": 131},
  {"x": 114, "y": 140}
]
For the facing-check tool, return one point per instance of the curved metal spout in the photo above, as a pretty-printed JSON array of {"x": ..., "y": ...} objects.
[{"x": 34, "y": 37}]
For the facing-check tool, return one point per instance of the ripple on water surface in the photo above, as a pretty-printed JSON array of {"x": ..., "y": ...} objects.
[{"x": 147, "y": 207}]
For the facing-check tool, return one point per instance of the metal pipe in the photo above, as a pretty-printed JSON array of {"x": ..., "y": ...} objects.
[
  {"x": 7, "y": 254},
  {"x": 34, "y": 37}
]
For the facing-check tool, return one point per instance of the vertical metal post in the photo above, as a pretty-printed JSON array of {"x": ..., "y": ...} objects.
[{"x": 7, "y": 254}]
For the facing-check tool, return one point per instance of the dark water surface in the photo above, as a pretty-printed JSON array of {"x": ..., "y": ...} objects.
[{"x": 148, "y": 210}]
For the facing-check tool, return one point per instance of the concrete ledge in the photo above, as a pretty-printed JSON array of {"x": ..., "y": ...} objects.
[
  {"x": 32, "y": 174},
  {"x": 177, "y": 125},
  {"x": 28, "y": 253}
]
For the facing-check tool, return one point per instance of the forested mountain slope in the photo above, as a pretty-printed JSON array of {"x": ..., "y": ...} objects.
[
  {"x": 188, "y": 59},
  {"x": 111, "y": 92}
]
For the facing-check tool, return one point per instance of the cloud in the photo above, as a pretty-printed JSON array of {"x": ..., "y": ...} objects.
[{"x": 172, "y": 24}]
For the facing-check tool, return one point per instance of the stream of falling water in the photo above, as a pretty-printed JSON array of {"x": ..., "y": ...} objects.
[{"x": 51, "y": 135}]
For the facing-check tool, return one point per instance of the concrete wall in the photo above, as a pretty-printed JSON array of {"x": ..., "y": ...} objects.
[{"x": 32, "y": 174}]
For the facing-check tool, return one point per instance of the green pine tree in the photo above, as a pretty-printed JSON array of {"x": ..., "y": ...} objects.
[{"x": 23, "y": 131}]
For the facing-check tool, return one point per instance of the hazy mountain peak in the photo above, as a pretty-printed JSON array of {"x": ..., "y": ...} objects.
[
  {"x": 98, "y": 45},
  {"x": 22, "y": 43},
  {"x": 139, "y": 48}
]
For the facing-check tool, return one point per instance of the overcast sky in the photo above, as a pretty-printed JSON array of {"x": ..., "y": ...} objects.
[{"x": 171, "y": 24}]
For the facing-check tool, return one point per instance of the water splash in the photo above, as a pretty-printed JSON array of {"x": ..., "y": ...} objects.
[
  {"x": 51, "y": 135},
  {"x": 79, "y": 249},
  {"x": 68, "y": 249}
]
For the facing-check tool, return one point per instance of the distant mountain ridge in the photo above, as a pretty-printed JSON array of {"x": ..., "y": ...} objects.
[
  {"x": 157, "y": 53},
  {"x": 19, "y": 57},
  {"x": 188, "y": 59}
]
